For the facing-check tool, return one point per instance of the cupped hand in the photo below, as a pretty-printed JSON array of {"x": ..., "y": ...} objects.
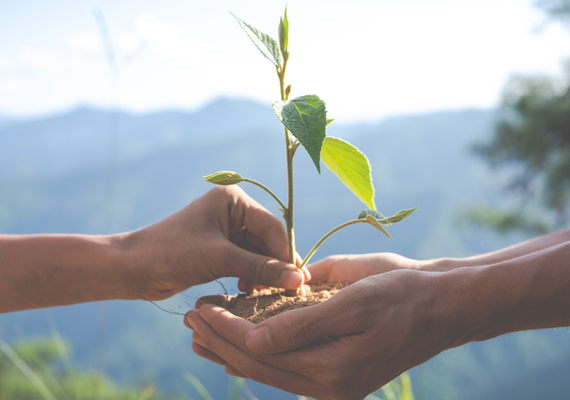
[
  {"x": 344, "y": 348},
  {"x": 223, "y": 233},
  {"x": 350, "y": 268}
]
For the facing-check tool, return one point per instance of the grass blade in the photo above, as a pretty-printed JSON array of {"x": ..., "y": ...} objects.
[
  {"x": 198, "y": 386},
  {"x": 148, "y": 392},
  {"x": 234, "y": 393},
  {"x": 26, "y": 370}
]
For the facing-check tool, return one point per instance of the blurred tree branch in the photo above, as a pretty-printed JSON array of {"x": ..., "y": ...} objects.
[{"x": 532, "y": 142}]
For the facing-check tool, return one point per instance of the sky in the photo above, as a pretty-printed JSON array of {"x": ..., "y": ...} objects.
[{"x": 367, "y": 59}]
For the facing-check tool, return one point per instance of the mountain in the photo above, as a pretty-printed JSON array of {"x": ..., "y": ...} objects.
[
  {"x": 54, "y": 177},
  {"x": 5, "y": 121}
]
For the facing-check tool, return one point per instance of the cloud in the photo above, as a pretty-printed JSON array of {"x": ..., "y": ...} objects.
[
  {"x": 6, "y": 64},
  {"x": 37, "y": 60},
  {"x": 165, "y": 38},
  {"x": 83, "y": 42}
]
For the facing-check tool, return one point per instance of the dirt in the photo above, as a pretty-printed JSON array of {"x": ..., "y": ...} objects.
[{"x": 261, "y": 304}]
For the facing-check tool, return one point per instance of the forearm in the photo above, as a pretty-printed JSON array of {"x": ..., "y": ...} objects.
[
  {"x": 51, "y": 270},
  {"x": 529, "y": 292},
  {"x": 508, "y": 253}
]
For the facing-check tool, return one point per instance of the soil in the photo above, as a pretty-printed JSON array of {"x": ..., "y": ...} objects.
[{"x": 261, "y": 304}]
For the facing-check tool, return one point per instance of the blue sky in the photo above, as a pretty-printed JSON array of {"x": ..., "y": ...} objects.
[{"x": 366, "y": 59}]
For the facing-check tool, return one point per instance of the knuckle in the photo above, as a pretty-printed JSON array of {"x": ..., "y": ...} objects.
[{"x": 218, "y": 191}]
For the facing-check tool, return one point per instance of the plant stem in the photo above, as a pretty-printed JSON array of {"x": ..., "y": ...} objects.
[
  {"x": 338, "y": 228},
  {"x": 283, "y": 208},
  {"x": 288, "y": 212}
]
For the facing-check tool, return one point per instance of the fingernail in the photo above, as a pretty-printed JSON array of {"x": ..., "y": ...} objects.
[
  {"x": 291, "y": 280},
  {"x": 190, "y": 323},
  {"x": 259, "y": 340}
]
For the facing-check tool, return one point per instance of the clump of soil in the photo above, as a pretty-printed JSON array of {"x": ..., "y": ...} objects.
[{"x": 261, "y": 304}]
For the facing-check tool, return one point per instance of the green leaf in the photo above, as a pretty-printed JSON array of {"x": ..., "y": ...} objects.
[
  {"x": 329, "y": 121},
  {"x": 224, "y": 178},
  {"x": 284, "y": 35},
  {"x": 265, "y": 43},
  {"x": 351, "y": 166},
  {"x": 374, "y": 222},
  {"x": 399, "y": 216},
  {"x": 376, "y": 214},
  {"x": 306, "y": 118},
  {"x": 375, "y": 218}
]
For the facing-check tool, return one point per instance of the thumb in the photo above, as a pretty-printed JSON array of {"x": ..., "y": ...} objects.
[
  {"x": 263, "y": 270},
  {"x": 298, "y": 328}
]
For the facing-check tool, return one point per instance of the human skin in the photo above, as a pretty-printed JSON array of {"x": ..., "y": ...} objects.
[
  {"x": 395, "y": 314},
  {"x": 223, "y": 233}
]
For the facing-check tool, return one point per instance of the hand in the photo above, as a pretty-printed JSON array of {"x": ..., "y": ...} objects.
[
  {"x": 223, "y": 233},
  {"x": 344, "y": 348},
  {"x": 350, "y": 268}
]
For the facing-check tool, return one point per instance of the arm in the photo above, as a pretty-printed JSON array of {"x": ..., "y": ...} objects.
[
  {"x": 380, "y": 326},
  {"x": 223, "y": 233},
  {"x": 336, "y": 267},
  {"x": 508, "y": 253}
]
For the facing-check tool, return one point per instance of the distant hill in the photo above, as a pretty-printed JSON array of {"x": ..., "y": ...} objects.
[
  {"x": 5, "y": 121},
  {"x": 79, "y": 140},
  {"x": 53, "y": 178}
]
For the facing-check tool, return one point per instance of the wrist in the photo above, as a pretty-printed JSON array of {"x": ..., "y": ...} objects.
[
  {"x": 119, "y": 266},
  {"x": 450, "y": 312},
  {"x": 133, "y": 255},
  {"x": 529, "y": 292}
]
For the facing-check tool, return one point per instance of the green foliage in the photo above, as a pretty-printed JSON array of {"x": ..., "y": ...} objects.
[
  {"x": 532, "y": 138},
  {"x": 35, "y": 370},
  {"x": 351, "y": 166},
  {"x": 224, "y": 178},
  {"x": 398, "y": 389},
  {"x": 284, "y": 36},
  {"x": 506, "y": 221},
  {"x": 198, "y": 386},
  {"x": 305, "y": 121},
  {"x": 265, "y": 43},
  {"x": 377, "y": 220},
  {"x": 306, "y": 118},
  {"x": 234, "y": 391}
]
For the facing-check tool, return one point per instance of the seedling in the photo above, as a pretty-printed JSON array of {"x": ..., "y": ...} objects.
[{"x": 305, "y": 120}]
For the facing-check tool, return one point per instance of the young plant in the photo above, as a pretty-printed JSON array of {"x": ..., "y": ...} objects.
[{"x": 305, "y": 120}]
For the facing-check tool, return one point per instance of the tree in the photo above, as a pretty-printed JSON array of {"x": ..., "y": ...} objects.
[{"x": 532, "y": 143}]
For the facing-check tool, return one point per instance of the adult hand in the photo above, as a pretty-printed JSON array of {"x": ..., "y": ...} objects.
[
  {"x": 344, "y": 348},
  {"x": 223, "y": 233},
  {"x": 350, "y": 268}
]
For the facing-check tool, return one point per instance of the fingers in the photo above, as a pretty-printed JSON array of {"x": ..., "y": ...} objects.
[
  {"x": 234, "y": 372},
  {"x": 242, "y": 364},
  {"x": 348, "y": 269},
  {"x": 205, "y": 353},
  {"x": 247, "y": 286},
  {"x": 288, "y": 331},
  {"x": 261, "y": 269},
  {"x": 265, "y": 226},
  {"x": 218, "y": 300}
]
